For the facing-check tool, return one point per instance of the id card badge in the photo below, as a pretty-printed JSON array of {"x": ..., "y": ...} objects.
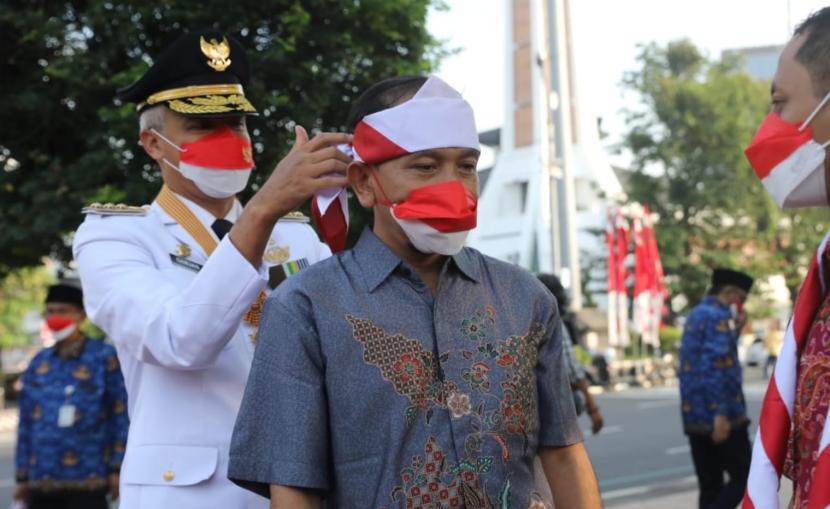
[{"x": 66, "y": 416}]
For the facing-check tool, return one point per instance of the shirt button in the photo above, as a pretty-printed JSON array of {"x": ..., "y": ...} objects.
[{"x": 169, "y": 475}]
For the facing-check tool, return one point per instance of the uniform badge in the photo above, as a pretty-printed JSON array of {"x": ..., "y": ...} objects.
[
  {"x": 278, "y": 273},
  {"x": 184, "y": 262},
  {"x": 295, "y": 266},
  {"x": 217, "y": 53},
  {"x": 114, "y": 209},
  {"x": 276, "y": 255},
  {"x": 183, "y": 250}
]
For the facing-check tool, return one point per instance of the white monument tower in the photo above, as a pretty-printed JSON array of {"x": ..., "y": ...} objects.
[{"x": 527, "y": 212}]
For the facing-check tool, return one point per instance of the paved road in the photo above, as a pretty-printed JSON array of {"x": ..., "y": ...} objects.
[
  {"x": 642, "y": 451},
  {"x": 641, "y": 454}
]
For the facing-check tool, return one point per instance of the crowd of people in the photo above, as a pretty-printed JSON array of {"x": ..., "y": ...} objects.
[{"x": 259, "y": 369}]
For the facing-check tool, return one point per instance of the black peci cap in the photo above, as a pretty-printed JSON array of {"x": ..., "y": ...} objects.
[
  {"x": 65, "y": 294},
  {"x": 200, "y": 74},
  {"x": 728, "y": 277}
]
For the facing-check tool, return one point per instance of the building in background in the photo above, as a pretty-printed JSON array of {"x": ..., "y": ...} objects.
[
  {"x": 551, "y": 182},
  {"x": 760, "y": 62}
]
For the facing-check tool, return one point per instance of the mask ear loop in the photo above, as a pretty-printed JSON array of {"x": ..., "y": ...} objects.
[
  {"x": 163, "y": 137},
  {"x": 815, "y": 112},
  {"x": 164, "y": 159},
  {"x": 387, "y": 202}
]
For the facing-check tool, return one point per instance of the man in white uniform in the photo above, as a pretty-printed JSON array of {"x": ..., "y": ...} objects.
[{"x": 178, "y": 285}]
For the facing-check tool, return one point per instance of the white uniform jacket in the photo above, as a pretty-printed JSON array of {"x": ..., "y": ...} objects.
[{"x": 176, "y": 318}]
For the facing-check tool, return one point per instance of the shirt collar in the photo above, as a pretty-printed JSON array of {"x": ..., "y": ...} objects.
[
  {"x": 75, "y": 353},
  {"x": 205, "y": 217},
  {"x": 377, "y": 261}
]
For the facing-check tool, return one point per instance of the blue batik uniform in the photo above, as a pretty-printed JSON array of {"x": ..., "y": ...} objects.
[
  {"x": 710, "y": 373},
  {"x": 80, "y": 455}
]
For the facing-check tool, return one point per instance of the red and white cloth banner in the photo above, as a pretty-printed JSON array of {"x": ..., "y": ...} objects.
[
  {"x": 617, "y": 237},
  {"x": 658, "y": 292},
  {"x": 775, "y": 425},
  {"x": 613, "y": 284},
  {"x": 649, "y": 290},
  {"x": 623, "y": 239}
]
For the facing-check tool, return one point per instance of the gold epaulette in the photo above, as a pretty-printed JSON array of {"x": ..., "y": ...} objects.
[
  {"x": 295, "y": 217},
  {"x": 114, "y": 209}
]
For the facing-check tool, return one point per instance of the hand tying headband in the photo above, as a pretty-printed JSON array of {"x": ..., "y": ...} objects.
[{"x": 437, "y": 116}]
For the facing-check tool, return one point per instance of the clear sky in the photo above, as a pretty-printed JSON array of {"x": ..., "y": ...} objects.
[{"x": 605, "y": 38}]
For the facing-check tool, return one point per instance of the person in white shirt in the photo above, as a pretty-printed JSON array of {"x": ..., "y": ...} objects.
[{"x": 178, "y": 285}]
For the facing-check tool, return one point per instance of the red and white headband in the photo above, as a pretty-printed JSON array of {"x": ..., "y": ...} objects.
[{"x": 436, "y": 117}]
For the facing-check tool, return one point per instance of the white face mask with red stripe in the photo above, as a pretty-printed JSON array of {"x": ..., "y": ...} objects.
[
  {"x": 219, "y": 163},
  {"x": 789, "y": 162},
  {"x": 436, "y": 218},
  {"x": 60, "y": 326}
]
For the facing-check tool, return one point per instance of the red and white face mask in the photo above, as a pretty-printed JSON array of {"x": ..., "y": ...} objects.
[
  {"x": 789, "y": 162},
  {"x": 60, "y": 326},
  {"x": 219, "y": 163},
  {"x": 436, "y": 218}
]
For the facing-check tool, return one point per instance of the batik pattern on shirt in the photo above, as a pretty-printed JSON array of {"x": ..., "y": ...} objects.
[
  {"x": 386, "y": 396},
  {"x": 812, "y": 399},
  {"x": 710, "y": 373},
  {"x": 81, "y": 455}
]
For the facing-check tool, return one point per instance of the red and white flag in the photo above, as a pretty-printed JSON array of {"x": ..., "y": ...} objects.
[
  {"x": 649, "y": 290},
  {"x": 617, "y": 238},
  {"x": 658, "y": 292},
  {"x": 623, "y": 239},
  {"x": 642, "y": 283},
  {"x": 775, "y": 425},
  {"x": 613, "y": 285}
]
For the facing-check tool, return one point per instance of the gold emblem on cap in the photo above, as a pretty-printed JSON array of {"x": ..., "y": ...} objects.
[{"x": 217, "y": 53}]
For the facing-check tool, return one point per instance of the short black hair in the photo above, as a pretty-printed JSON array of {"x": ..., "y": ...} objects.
[
  {"x": 554, "y": 286},
  {"x": 383, "y": 95},
  {"x": 814, "y": 54}
]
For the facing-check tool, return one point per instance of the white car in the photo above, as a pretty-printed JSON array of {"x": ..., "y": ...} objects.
[{"x": 756, "y": 354}]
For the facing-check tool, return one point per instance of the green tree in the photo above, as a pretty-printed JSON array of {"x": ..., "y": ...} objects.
[
  {"x": 65, "y": 141},
  {"x": 21, "y": 292},
  {"x": 687, "y": 138}
]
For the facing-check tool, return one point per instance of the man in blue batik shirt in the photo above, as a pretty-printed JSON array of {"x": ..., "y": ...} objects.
[
  {"x": 411, "y": 371},
  {"x": 713, "y": 406},
  {"x": 73, "y": 415}
]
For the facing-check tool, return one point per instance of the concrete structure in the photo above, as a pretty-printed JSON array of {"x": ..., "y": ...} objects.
[
  {"x": 551, "y": 180},
  {"x": 760, "y": 62}
]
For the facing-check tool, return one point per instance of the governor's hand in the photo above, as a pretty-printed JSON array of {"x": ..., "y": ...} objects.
[{"x": 304, "y": 171}]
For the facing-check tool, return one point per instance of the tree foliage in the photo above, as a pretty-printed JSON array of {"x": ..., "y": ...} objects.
[
  {"x": 21, "y": 292},
  {"x": 65, "y": 141},
  {"x": 687, "y": 139}
]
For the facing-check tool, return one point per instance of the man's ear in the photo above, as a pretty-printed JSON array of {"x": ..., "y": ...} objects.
[
  {"x": 362, "y": 184},
  {"x": 152, "y": 144}
]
